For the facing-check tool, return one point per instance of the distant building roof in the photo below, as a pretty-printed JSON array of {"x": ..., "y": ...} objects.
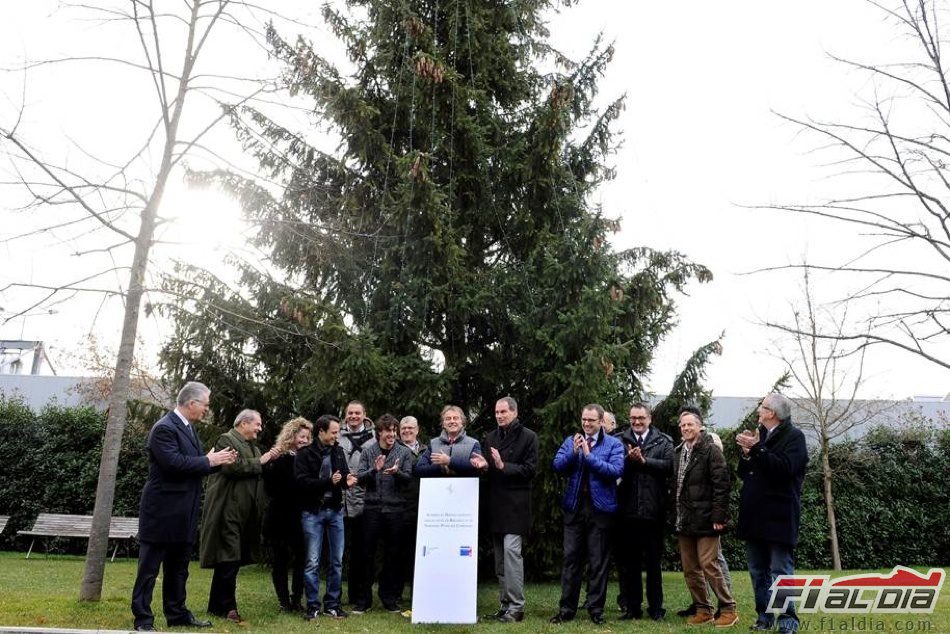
[{"x": 728, "y": 411}]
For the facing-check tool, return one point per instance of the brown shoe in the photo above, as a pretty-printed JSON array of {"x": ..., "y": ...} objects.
[
  {"x": 701, "y": 618},
  {"x": 727, "y": 618},
  {"x": 235, "y": 618}
]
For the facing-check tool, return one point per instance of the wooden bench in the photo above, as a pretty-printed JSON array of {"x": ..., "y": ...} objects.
[
  {"x": 3, "y": 522},
  {"x": 79, "y": 526}
]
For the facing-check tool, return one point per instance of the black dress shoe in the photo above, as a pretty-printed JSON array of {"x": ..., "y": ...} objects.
[
  {"x": 511, "y": 617},
  {"x": 657, "y": 615},
  {"x": 191, "y": 621},
  {"x": 631, "y": 616},
  {"x": 561, "y": 617},
  {"x": 144, "y": 628},
  {"x": 597, "y": 619}
]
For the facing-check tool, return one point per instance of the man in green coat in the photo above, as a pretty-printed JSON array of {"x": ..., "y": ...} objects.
[{"x": 231, "y": 520}]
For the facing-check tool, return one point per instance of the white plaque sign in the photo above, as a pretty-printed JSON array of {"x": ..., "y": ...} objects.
[{"x": 445, "y": 586}]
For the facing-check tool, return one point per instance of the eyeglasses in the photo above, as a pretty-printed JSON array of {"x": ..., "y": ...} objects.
[{"x": 638, "y": 418}]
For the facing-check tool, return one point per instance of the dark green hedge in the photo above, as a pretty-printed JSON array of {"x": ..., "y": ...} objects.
[
  {"x": 892, "y": 501},
  {"x": 892, "y": 494},
  {"x": 49, "y": 462}
]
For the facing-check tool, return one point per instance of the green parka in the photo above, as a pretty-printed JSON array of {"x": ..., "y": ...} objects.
[{"x": 234, "y": 505}]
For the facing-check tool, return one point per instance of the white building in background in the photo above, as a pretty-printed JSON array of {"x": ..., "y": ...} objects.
[{"x": 37, "y": 391}]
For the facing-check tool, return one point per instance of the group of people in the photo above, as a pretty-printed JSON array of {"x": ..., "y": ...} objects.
[
  {"x": 354, "y": 483},
  {"x": 616, "y": 501}
]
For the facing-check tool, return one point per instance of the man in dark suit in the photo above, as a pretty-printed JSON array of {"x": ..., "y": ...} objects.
[
  {"x": 512, "y": 460},
  {"x": 772, "y": 470},
  {"x": 648, "y": 465},
  {"x": 168, "y": 512}
]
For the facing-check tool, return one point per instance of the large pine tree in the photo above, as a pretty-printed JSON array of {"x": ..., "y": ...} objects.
[{"x": 447, "y": 251}]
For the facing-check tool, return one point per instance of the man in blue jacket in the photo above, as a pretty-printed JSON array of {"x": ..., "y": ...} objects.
[
  {"x": 772, "y": 469},
  {"x": 593, "y": 460},
  {"x": 168, "y": 511}
]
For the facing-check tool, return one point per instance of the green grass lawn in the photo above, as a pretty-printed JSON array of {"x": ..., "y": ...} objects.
[{"x": 42, "y": 591}]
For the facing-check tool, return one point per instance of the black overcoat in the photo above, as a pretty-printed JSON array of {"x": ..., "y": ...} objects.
[
  {"x": 168, "y": 510},
  {"x": 509, "y": 489},
  {"x": 770, "y": 506}
]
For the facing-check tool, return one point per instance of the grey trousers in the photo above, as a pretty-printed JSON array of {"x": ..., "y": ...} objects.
[
  {"x": 509, "y": 568},
  {"x": 724, "y": 567}
]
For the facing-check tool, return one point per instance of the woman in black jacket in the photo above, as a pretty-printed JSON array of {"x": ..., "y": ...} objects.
[
  {"x": 701, "y": 487},
  {"x": 282, "y": 520}
]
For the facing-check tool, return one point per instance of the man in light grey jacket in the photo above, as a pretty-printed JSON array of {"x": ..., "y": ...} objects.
[{"x": 356, "y": 433}]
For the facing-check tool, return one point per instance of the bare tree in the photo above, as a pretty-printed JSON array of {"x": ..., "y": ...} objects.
[
  {"x": 893, "y": 158},
  {"x": 123, "y": 198},
  {"x": 827, "y": 377}
]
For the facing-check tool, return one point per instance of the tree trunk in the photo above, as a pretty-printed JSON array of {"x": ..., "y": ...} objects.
[
  {"x": 830, "y": 506},
  {"x": 97, "y": 550}
]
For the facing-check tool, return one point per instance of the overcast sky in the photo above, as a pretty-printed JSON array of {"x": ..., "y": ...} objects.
[{"x": 701, "y": 142}]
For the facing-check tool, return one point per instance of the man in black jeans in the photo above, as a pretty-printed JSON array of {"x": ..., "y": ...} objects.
[{"x": 384, "y": 473}]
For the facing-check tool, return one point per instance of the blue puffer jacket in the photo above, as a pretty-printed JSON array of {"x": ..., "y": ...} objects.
[{"x": 605, "y": 464}]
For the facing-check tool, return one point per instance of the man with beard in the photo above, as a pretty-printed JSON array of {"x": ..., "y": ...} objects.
[
  {"x": 322, "y": 477},
  {"x": 385, "y": 472}
]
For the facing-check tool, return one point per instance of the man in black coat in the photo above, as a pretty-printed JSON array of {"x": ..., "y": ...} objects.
[
  {"x": 323, "y": 476},
  {"x": 512, "y": 454},
  {"x": 168, "y": 511},
  {"x": 648, "y": 465},
  {"x": 772, "y": 469}
]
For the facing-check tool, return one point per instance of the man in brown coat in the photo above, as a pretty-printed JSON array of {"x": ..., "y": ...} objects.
[{"x": 701, "y": 492}]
